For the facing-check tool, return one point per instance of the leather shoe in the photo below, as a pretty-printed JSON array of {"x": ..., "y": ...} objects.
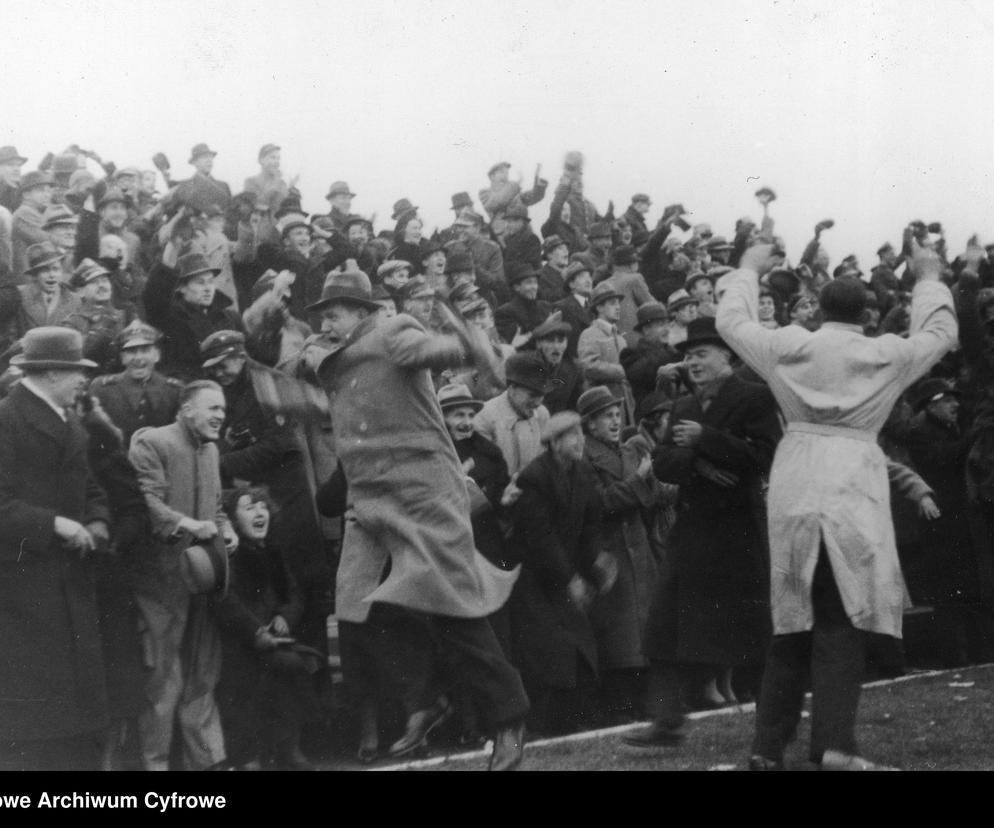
[
  {"x": 836, "y": 760},
  {"x": 509, "y": 748},
  {"x": 419, "y": 725},
  {"x": 655, "y": 735},
  {"x": 764, "y": 763}
]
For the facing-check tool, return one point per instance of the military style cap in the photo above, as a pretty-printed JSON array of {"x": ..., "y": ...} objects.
[
  {"x": 220, "y": 345},
  {"x": 86, "y": 271},
  {"x": 137, "y": 335}
]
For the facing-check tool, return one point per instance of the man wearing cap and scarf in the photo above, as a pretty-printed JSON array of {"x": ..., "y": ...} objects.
[
  {"x": 53, "y": 521},
  {"x": 185, "y": 305},
  {"x": 408, "y": 499},
  {"x": 488, "y": 259},
  {"x": 834, "y": 566},
  {"x": 29, "y": 217},
  {"x": 600, "y": 345},
  {"x": 139, "y": 396},
  {"x": 44, "y": 299},
  {"x": 635, "y": 216},
  {"x": 524, "y": 312},
  {"x": 711, "y": 613},
  {"x": 178, "y": 472}
]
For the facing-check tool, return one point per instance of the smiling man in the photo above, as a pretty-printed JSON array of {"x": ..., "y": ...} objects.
[
  {"x": 44, "y": 299},
  {"x": 139, "y": 396},
  {"x": 179, "y": 475}
]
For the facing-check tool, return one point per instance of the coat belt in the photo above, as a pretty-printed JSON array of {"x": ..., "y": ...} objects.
[{"x": 833, "y": 431}]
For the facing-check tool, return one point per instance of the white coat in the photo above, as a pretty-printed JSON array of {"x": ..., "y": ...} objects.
[{"x": 835, "y": 388}]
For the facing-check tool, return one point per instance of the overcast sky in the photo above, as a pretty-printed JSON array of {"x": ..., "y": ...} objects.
[{"x": 870, "y": 113}]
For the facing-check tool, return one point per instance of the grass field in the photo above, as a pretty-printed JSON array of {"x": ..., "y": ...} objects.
[{"x": 941, "y": 721}]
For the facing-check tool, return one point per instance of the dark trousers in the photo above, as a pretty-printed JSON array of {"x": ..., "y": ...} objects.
[
  {"x": 666, "y": 686},
  {"x": 402, "y": 652},
  {"x": 832, "y": 653}
]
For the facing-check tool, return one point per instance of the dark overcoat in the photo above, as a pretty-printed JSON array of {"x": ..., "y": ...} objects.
[
  {"x": 579, "y": 318},
  {"x": 712, "y": 606},
  {"x": 556, "y": 535},
  {"x": 132, "y": 404},
  {"x": 51, "y": 670},
  {"x": 521, "y": 314},
  {"x": 619, "y": 616}
]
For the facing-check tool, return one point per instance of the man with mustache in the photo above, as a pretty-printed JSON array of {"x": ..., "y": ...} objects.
[{"x": 179, "y": 475}]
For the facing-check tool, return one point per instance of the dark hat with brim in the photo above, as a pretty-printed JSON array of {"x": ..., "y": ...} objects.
[
  {"x": 648, "y": 313},
  {"x": 574, "y": 269},
  {"x": 220, "y": 345},
  {"x": 702, "y": 331},
  {"x": 112, "y": 196},
  {"x": 603, "y": 292},
  {"x": 529, "y": 371},
  {"x": 8, "y": 154},
  {"x": 51, "y": 347},
  {"x": 339, "y": 188},
  {"x": 517, "y": 211},
  {"x": 519, "y": 271},
  {"x": 42, "y": 255},
  {"x": 594, "y": 400},
  {"x": 36, "y": 178},
  {"x": 679, "y": 299},
  {"x": 350, "y": 287},
  {"x": 654, "y": 403},
  {"x": 204, "y": 567},
  {"x": 625, "y": 255},
  {"x": 198, "y": 150},
  {"x": 193, "y": 264},
  {"x": 456, "y": 395},
  {"x": 87, "y": 271},
  {"x": 401, "y": 208},
  {"x": 459, "y": 261},
  {"x": 460, "y": 200}
]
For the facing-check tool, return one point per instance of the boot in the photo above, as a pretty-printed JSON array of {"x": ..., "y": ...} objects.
[
  {"x": 509, "y": 748},
  {"x": 419, "y": 725}
]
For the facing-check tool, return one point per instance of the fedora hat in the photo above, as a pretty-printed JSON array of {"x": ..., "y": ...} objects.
[
  {"x": 10, "y": 154},
  {"x": 59, "y": 214},
  {"x": 594, "y": 400},
  {"x": 456, "y": 395},
  {"x": 86, "y": 271},
  {"x": 653, "y": 403},
  {"x": 517, "y": 211},
  {"x": 220, "y": 345},
  {"x": 42, "y": 255},
  {"x": 198, "y": 150},
  {"x": 695, "y": 276},
  {"x": 551, "y": 244},
  {"x": 702, "y": 331},
  {"x": 650, "y": 312},
  {"x": 339, "y": 188},
  {"x": 574, "y": 269},
  {"x": 351, "y": 286},
  {"x": 460, "y": 200},
  {"x": 51, "y": 347},
  {"x": 402, "y": 207},
  {"x": 519, "y": 271},
  {"x": 467, "y": 218},
  {"x": 64, "y": 166},
  {"x": 679, "y": 299},
  {"x": 529, "y": 371},
  {"x": 193, "y": 264},
  {"x": 625, "y": 255},
  {"x": 559, "y": 424},
  {"x": 36, "y": 178},
  {"x": 204, "y": 567},
  {"x": 602, "y": 292}
]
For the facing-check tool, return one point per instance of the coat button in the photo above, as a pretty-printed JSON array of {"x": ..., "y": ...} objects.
[{"x": 363, "y": 427}]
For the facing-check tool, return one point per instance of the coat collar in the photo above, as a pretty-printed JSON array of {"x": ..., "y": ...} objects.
[{"x": 38, "y": 414}]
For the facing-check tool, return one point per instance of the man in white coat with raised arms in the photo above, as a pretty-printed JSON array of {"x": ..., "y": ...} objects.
[{"x": 834, "y": 567}]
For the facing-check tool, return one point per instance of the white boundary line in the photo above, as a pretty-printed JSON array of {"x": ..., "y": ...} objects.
[{"x": 586, "y": 735}]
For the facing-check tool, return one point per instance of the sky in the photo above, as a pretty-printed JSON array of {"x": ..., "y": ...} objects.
[{"x": 872, "y": 113}]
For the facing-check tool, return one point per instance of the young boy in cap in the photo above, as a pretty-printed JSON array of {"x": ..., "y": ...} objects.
[
  {"x": 579, "y": 282},
  {"x": 565, "y": 376},
  {"x": 44, "y": 299}
]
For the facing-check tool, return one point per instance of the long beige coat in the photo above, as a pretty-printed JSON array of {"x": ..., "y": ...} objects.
[{"x": 835, "y": 387}]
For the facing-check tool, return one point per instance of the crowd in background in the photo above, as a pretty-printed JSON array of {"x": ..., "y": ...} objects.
[{"x": 617, "y": 454}]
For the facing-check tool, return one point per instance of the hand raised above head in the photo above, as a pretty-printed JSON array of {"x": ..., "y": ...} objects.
[{"x": 924, "y": 263}]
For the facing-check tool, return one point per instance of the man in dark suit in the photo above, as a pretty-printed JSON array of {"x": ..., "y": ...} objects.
[
  {"x": 579, "y": 283},
  {"x": 711, "y": 611},
  {"x": 53, "y": 516},
  {"x": 139, "y": 396},
  {"x": 525, "y": 311}
]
